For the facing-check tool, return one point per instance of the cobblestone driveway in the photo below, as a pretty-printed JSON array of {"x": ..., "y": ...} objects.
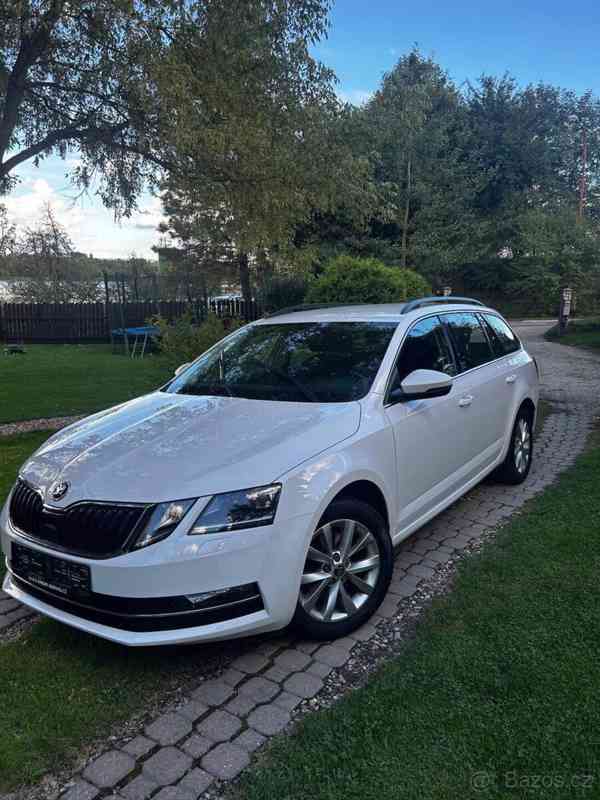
[{"x": 210, "y": 737}]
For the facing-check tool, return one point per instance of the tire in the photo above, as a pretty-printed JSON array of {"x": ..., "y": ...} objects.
[
  {"x": 514, "y": 469},
  {"x": 351, "y": 549}
]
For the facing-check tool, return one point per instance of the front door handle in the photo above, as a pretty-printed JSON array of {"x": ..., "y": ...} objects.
[
  {"x": 511, "y": 379},
  {"x": 465, "y": 401}
]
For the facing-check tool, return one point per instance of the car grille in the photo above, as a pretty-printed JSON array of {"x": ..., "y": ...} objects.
[{"x": 95, "y": 530}]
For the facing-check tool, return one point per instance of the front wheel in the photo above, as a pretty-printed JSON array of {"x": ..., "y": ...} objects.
[
  {"x": 347, "y": 571},
  {"x": 517, "y": 463}
]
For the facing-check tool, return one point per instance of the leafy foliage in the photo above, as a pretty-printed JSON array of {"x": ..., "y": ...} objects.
[
  {"x": 183, "y": 341},
  {"x": 365, "y": 280}
]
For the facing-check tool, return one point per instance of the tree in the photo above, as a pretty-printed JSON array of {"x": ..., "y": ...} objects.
[
  {"x": 46, "y": 269},
  {"x": 127, "y": 83},
  {"x": 281, "y": 152}
]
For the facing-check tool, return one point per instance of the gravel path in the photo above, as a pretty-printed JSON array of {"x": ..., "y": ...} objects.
[
  {"x": 49, "y": 424},
  {"x": 194, "y": 748}
]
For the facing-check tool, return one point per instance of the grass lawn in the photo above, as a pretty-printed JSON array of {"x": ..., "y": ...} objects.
[
  {"x": 56, "y": 380},
  {"x": 581, "y": 334},
  {"x": 13, "y": 452},
  {"x": 497, "y": 696}
]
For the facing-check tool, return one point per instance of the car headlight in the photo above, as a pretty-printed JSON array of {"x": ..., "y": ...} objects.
[
  {"x": 163, "y": 520},
  {"x": 248, "y": 508}
]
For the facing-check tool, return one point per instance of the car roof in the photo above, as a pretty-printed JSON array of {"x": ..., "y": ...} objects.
[{"x": 382, "y": 312}]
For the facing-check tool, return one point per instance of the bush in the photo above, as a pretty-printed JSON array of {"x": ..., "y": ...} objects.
[
  {"x": 365, "y": 280},
  {"x": 282, "y": 291},
  {"x": 184, "y": 341}
]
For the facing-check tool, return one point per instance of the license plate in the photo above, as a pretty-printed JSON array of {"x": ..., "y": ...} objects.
[{"x": 56, "y": 575}]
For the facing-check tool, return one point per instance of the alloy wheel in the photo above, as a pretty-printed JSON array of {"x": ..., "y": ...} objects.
[
  {"x": 522, "y": 446},
  {"x": 341, "y": 570}
]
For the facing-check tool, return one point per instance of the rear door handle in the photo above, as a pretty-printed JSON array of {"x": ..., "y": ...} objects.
[
  {"x": 511, "y": 379},
  {"x": 465, "y": 401}
]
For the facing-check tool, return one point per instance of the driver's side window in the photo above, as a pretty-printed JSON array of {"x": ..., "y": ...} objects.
[{"x": 425, "y": 347}]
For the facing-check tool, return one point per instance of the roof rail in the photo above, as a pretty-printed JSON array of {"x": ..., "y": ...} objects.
[
  {"x": 432, "y": 301},
  {"x": 307, "y": 307}
]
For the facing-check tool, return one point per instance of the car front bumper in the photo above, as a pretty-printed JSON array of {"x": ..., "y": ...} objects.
[{"x": 138, "y": 598}]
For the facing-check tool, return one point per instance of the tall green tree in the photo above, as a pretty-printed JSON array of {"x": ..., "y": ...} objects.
[{"x": 131, "y": 85}]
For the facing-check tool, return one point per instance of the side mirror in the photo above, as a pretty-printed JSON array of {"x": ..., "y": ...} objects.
[
  {"x": 422, "y": 384},
  {"x": 181, "y": 368}
]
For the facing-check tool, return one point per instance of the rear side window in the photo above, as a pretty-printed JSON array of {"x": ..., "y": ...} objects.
[
  {"x": 502, "y": 337},
  {"x": 470, "y": 341},
  {"x": 425, "y": 347}
]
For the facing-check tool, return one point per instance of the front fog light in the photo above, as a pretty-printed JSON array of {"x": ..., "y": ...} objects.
[
  {"x": 248, "y": 508},
  {"x": 162, "y": 521}
]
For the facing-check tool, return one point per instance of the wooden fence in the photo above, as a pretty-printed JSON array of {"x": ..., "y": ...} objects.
[{"x": 93, "y": 322}]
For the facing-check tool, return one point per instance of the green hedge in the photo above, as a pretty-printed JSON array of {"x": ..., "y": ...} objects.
[{"x": 347, "y": 279}]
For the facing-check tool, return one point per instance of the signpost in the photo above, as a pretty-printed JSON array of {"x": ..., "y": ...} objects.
[{"x": 566, "y": 297}]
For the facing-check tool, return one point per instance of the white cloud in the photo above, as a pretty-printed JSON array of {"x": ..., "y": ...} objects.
[
  {"x": 355, "y": 96},
  {"x": 91, "y": 227}
]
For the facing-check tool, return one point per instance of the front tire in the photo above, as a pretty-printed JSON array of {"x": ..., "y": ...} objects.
[
  {"x": 517, "y": 463},
  {"x": 347, "y": 571}
]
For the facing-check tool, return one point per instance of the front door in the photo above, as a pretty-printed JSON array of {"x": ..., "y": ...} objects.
[{"x": 431, "y": 436}]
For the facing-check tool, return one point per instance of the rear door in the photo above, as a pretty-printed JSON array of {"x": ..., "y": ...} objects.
[{"x": 481, "y": 384}]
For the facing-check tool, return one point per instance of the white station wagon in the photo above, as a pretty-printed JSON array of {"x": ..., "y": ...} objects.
[{"x": 270, "y": 480}]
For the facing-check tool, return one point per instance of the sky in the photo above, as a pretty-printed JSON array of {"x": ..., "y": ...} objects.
[{"x": 535, "y": 40}]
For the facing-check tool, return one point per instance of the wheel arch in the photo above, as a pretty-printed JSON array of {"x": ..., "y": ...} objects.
[{"x": 367, "y": 492}]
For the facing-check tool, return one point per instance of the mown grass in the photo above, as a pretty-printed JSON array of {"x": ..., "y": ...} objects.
[
  {"x": 56, "y": 380},
  {"x": 14, "y": 450},
  {"x": 497, "y": 696},
  {"x": 584, "y": 333}
]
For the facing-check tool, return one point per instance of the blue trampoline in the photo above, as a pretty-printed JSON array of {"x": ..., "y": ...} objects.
[{"x": 140, "y": 335}]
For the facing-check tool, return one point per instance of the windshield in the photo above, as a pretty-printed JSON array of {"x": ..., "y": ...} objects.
[{"x": 316, "y": 362}]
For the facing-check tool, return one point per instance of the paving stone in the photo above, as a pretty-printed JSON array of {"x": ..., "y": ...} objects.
[
  {"x": 174, "y": 793},
  {"x": 192, "y": 710},
  {"x": 196, "y": 782},
  {"x": 197, "y": 745},
  {"x": 219, "y": 726},
  {"x": 406, "y": 587},
  {"x": 269, "y": 719},
  {"x": 277, "y": 674},
  {"x": 109, "y": 769},
  {"x": 419, "y": 571},
  {"x": 233, "y": 676},
  {"x": 213, "y": 693},
  {"x": 364, "y": 633},
  {"x": 139, "y": 746},
  {"x": 259, "y": 689},
  {"x": 167, "y": 765},
  {"x": 307, "y": 647},
  {"x": 251, "y": 663},
  {"x": 346, "y": 643},
  {"x": 226, "y": 761},
  {"x": 287, "y": 701},
  {"x": 250, "y": 740},
  {"x": 169, "y": 728},
  {"x": 268, "y": 648},
  {"x": 292, "y": 659},
  {"x": 140, "y": 788},
  {"x": 241, "y": 705},
  {"x": 319, "y": 669},
  {"x": 303, "y": 684},
  {"x": 80, "y": 790},
  {"x": 332, "y": 655}
]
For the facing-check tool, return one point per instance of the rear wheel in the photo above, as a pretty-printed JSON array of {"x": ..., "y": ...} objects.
[
  {"x": 347, "y": 571},
  {"x": 517, "y": 463}
]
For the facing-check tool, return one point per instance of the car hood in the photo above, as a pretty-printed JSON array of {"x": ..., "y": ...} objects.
[{"x": 166, "y": 447}]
